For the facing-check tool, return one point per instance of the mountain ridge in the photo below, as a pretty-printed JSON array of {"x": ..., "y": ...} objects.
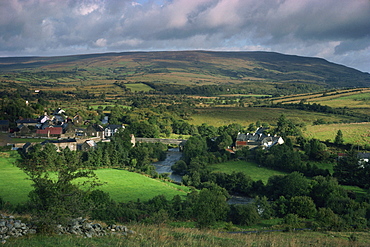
[{"x": 243, "y": 70}]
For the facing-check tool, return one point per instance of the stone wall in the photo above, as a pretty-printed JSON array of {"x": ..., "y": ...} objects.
[{"x": 10, "y": 227}]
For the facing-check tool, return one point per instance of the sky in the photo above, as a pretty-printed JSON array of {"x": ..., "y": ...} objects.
[{"x": 336, "y": 30}]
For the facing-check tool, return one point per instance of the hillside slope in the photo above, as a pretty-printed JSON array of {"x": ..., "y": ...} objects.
[{"x": 176, "y": 71}]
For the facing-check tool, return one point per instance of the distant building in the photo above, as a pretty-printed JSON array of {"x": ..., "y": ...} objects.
[
  {"x": 95, "y": 130},
  {"x": 88, "y": 145},
  {"x": 26, "y": 122},
  {"x": 4, "y": 125},
  {"x": 23, "y": 129},
  {"x": 111, "y": 129},
  {"x": 257, "y": 139},
  {"x": 105, "y": 120},
  {"x": 62, "y": 144},
  {"x": 50, "y": 132}
]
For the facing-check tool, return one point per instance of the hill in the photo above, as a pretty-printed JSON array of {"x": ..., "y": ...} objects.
[{"x": 185, "y": 72}]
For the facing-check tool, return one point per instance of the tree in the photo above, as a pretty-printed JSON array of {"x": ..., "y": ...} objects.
[
  {"x": 231, "y": 129},
  {"x": 286, "y": 127},
  {"x": 348, "y": 170},
  {"x": 223, "y": 141},
  {"x": 57, "y": 196},
  {"x": 179, "y": 167},
  {"x": 195, "y": 146},
  {"x": 328, "y": 219},
  {"x": 303, "y": 206},
  {"x": 243, "y": 153},
  {"x": 251, "y": 127},
  {"x": 209, "y": 207},
  {"x": 244, "y": 214},
  {"x": 294, "y": 184},
  {"x": 263, "y": 206},
  {"x": 339, "y": 138},
  {"x": 206, "y": 130},
  {"x": 325, "y": 188},
  {"x": 292, "y": 221},
  {"x": 316, "y": 150}
]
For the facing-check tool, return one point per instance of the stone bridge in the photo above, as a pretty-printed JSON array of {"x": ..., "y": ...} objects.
[{"x": 179, "y": 142}]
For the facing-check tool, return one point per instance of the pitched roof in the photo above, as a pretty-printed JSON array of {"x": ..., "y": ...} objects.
[
  {"x": 26, "y": 120},
  {"x": 115, "y": 126},
  {"x": 59, "y": 141},
  {"x": 4, "y": 122},
  {"x": 50, "y": 130},
  {"x": 91, "y": 143}
]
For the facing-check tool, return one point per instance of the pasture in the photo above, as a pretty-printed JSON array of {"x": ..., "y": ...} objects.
[
  {"x": 122, "y": 185},
  {"x": 351, "y": 98},
  {"x": 251, "y": 169},
  {"x": 219, "y": 116},
  {"x": 359, "y": 100},
  {"x": 354, "y": 133},
  {"x": 14, "y": 186},
  {"x": 138, "y": 87}
]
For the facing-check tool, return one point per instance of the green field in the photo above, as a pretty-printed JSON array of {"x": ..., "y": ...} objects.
[
  {"x": 219, "y": 116},
  {"x": 356, "y": 100},
  {"x": 14, "y": 186},
  {"x": 137, "y": 87},
  {"x": 354, "y": 133},
  {"x": 123, "y": 186},
  {"x": 251, "y": 169}
]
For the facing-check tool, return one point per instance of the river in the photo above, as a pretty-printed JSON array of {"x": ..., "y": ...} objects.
[{"x": 173, "y": 155}]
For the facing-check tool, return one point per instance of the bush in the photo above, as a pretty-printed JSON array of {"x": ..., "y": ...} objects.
[
  {"x": 292, "y": 221},
  {"x": 303, "y": 206},
  {"x": 244, "y": 214},
  {"x": 179, "y": 167}
]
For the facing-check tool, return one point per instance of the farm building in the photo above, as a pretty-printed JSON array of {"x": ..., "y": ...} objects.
[
  {"x": 257, "y": 139},
  {"x": 111, "y": 129}
]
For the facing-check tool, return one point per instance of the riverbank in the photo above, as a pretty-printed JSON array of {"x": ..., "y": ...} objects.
[{"x": 164, "y": 166}]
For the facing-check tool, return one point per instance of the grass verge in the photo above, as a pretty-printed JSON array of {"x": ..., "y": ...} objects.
[{"x": 163, "y": 235}]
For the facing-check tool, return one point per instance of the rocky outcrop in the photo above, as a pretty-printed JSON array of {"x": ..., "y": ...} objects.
[{"x": 10, "y": 227}]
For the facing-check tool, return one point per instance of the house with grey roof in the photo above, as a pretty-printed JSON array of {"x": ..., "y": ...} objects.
[
  {"x": 257, "y": 139},
  {"x": 111, "y": 129}
]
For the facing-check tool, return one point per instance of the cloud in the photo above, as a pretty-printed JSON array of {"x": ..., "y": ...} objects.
[{"x": 338, "y": 30}]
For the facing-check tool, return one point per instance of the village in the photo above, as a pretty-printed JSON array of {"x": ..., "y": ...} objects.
[{"x": 78, "y": 134}]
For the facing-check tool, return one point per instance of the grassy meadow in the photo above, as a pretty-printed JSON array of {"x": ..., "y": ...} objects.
[
  {"x": 354, "y": 133},
  {"x": 137, "y": 87},
  {"x": 122, "y": 185},
  {"x": 358, "y": 100},
  {"x": 251, "y": 169},
  {"x": 14, "y": 186}
]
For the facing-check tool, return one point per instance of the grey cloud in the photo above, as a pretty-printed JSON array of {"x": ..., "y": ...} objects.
[
  {"x": 352, "y": 45},
  {"x": 335, "y": 29}
]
